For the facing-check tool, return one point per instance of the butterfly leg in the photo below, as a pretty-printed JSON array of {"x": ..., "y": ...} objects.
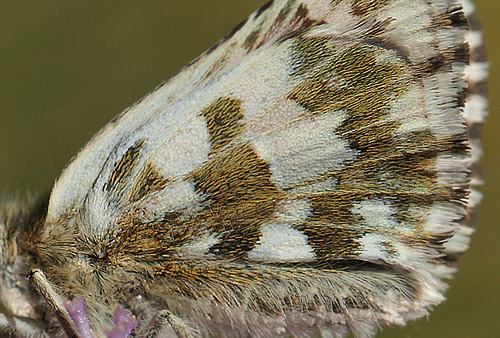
[
  {"x": 164, "y": 319},
  {"x": 44, "y": 288}
]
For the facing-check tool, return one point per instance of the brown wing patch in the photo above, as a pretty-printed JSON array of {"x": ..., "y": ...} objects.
[
  {"x": 331, "y": 242},
  {"x": 224, "y": 122},
  {"x": 149, "y": 180},
  {"x": 364, "y": 7},
  {"x": 237, "y": 182},
  {"x": 123, "y": 168},
  {"x": 453, "y": 17}
]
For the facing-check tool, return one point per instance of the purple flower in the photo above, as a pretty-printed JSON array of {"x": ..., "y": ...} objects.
[
  {"x": 123, "y": 319},
  {"x": 78, "y": 312},
  {"x": 125, "y": 323}
]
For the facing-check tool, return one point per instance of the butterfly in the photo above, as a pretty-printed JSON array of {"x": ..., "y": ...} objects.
[{"x": 309, "y": 174}]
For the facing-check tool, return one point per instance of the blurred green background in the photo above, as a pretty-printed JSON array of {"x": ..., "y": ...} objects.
[{"x": 67, "y": 67}]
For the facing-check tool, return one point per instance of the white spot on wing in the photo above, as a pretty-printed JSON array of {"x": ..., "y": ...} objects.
[
  {"x": 281, "y": 243},
  {"x": 199, "y": 246},
  {"x": 408, "y": 109},
  {"x": 468, "y": 7},
  {"x": 177, "y": 196},
  {"x": 475, "y": 196},
  {"x": 378, "y": 247},
  {"x": 376, "y": 213},
  {"x": 304, "y": 149},
  {"x": 475, "y": 108},
  {"x": 474, "y": 38},
  {"x": 476, "y": 71},
  {"x": 373, "y": 247}
]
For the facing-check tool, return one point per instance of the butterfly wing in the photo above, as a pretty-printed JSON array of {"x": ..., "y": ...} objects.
[{"x": 310, "y": 172}]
